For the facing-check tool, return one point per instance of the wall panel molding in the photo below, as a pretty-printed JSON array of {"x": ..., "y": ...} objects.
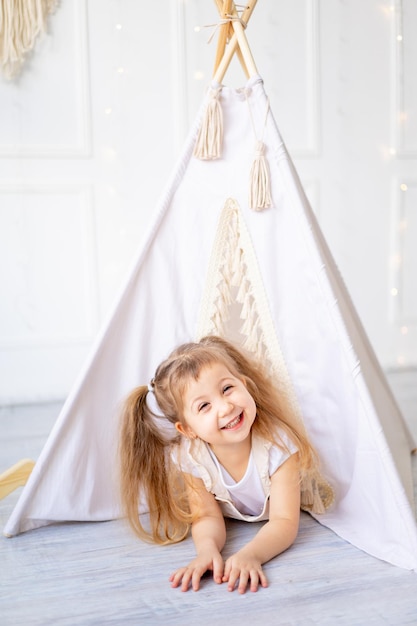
[
  {"x": 48, "y": 244},
  {"x": 404, "y": 113},
  {"x": 403, "y": 258},
  {"x": 51, "y": 63},
  {"x": 313, "y": 121},
  {"x": 179, "y": 74},
  {"x": 291, "y": 58}
]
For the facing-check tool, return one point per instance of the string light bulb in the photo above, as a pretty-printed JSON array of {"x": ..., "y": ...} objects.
[{"x": 396, "y": 261}]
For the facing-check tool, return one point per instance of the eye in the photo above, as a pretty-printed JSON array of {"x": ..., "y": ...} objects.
[
  {"x": 227, "y": 388},
  {"x": 203, "y": 406}
]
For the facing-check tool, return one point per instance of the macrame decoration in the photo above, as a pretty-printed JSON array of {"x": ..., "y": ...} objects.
[
  {"x": 21, "y": 23},
  {"x": 260, "y": 179},
  {"x": 234, "y": 288},
  {"x": 209, "y": 141},
  {"x": 231, "y": 40},
  {"x": 210, "y": 136},
  {"x": 233, "y": 276}
]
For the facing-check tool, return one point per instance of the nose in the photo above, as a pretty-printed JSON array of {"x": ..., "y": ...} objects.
[{"x": 225, "y": 407}]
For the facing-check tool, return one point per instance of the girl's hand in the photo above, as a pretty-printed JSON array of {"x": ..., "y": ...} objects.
[
  {"x": 246, "y": 569},
  {"x": 194, "y": 571}
]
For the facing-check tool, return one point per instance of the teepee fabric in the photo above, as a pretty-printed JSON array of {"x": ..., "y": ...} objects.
[{"x": 267, "y": 278}]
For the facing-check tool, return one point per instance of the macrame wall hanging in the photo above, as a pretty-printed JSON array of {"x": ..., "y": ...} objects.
[{"x": 21, "y": 23}]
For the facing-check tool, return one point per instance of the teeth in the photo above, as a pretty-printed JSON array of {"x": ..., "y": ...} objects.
[{"x": 233, "y": 423}]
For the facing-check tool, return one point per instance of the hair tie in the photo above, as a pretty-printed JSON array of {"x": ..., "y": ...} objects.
[
  {"x": 161, "y": 422},
  {"x": 151, "y": 402}
]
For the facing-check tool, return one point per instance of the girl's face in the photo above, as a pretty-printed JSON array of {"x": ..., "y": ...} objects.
[{"x": 218, "y": 408}]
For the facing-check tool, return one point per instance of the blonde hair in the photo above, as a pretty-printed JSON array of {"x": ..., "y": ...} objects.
[{"x": 147, "y": 470}]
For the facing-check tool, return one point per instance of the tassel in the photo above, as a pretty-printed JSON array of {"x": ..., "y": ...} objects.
[
  {"x": 243, "y": 291},
  {"x": 260, "y": 184},
  {"x": 316, "y": 495},
  {"x": 237, "y": 267},
  {"x": 210, "y": 137}
]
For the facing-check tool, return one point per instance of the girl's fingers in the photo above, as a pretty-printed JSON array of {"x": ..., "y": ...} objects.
[
  {"x": 185, "y": 576},
  {"x": 253, "y": 578},
  {"x": 218, "y": 568},
  {"x": 195, "y": 579},
  {"x": 263, "y": 579},
  {"x": 176, "y": 577},
  {"x": 234, "y": 576},
  {"x": 243, "y": 582}
]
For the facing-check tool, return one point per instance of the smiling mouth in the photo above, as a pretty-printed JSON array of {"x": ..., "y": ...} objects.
[{"x": 234, "y": 422}]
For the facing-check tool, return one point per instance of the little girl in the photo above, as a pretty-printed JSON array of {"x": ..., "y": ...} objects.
[{"x": 232, "y": 450}]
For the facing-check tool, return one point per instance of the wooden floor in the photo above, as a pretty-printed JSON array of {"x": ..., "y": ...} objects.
[{"x": 98, "y": 573}]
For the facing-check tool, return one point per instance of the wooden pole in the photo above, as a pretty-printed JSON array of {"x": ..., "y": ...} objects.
[{"x": 234, "y": 45}]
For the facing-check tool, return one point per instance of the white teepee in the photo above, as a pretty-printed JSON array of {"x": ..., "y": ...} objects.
[{"x": 209, "y": 255}]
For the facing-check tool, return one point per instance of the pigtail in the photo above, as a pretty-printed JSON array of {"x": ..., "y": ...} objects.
[{"x": 147, "y": 476}]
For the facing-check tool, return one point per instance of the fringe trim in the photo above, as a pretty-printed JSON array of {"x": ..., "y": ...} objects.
[
  {"x": 20, "y": 25},
  {"x": 233, "y": 276},
  {"x": 210, "y": 136},
  {"x": 317, "y": 496}
]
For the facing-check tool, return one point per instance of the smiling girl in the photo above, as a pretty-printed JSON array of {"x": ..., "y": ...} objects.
[{"x": 212, "y": 437}]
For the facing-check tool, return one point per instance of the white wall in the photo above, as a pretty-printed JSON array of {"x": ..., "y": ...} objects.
[{"x": 90, "y": 132}]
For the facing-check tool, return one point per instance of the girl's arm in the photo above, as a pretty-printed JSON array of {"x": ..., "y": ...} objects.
[
  {"x": 275, "y": 536},
  {"x": 209, "y": 536}
]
